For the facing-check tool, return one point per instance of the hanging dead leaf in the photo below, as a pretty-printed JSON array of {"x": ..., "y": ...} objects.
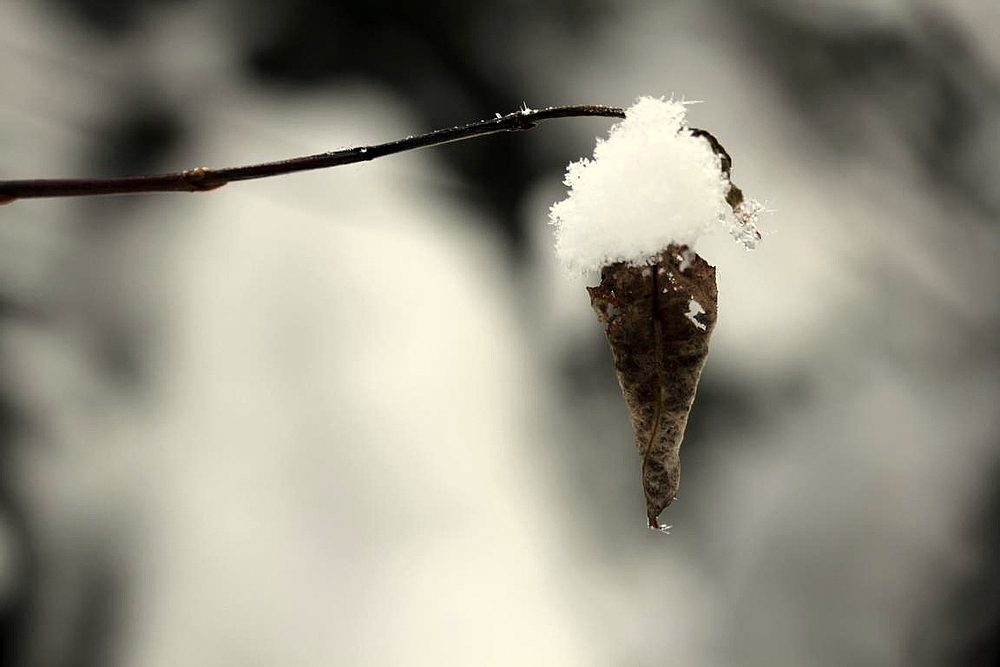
[{"x": 659, "y": 318}]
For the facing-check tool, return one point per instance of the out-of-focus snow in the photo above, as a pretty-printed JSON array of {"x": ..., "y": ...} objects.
[
  {"x": 331, "y": 462},
  {"x": 649, "y": 184}
]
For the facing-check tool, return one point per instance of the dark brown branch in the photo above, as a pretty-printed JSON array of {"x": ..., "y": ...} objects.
[{"x": 203, "y": 179}]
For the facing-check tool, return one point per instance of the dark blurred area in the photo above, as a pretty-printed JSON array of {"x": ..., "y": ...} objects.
[{"x": 866, "y": 88}]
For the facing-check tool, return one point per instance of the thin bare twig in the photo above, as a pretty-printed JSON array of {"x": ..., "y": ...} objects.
[{"x": 202, "y": 179}]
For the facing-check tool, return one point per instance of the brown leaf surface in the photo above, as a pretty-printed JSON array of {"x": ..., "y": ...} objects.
[{"x": 659, "y": 346}]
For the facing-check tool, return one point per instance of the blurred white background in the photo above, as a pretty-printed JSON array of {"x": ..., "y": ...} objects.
[{"x": 359, "y": 417}]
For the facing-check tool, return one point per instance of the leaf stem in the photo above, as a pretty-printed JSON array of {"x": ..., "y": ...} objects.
[{"x": 203, "y": 179}]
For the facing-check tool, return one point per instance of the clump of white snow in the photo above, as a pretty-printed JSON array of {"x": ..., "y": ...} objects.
[{"x": 650, "y": 183}]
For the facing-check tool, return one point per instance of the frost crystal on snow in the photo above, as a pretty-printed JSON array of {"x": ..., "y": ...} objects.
[
  {"x": 650, "y": 184},
  {"x": 742, "y": 223}
]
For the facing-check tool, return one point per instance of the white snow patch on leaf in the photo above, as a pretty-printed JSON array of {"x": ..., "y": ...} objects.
[{"x": 694, "y": 310}]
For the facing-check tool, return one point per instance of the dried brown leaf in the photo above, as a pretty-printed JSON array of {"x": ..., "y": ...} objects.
[{"x": 659, "y": 340}]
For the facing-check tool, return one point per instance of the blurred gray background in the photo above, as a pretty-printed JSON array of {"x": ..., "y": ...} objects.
[{"x": 359, "y": 416}]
